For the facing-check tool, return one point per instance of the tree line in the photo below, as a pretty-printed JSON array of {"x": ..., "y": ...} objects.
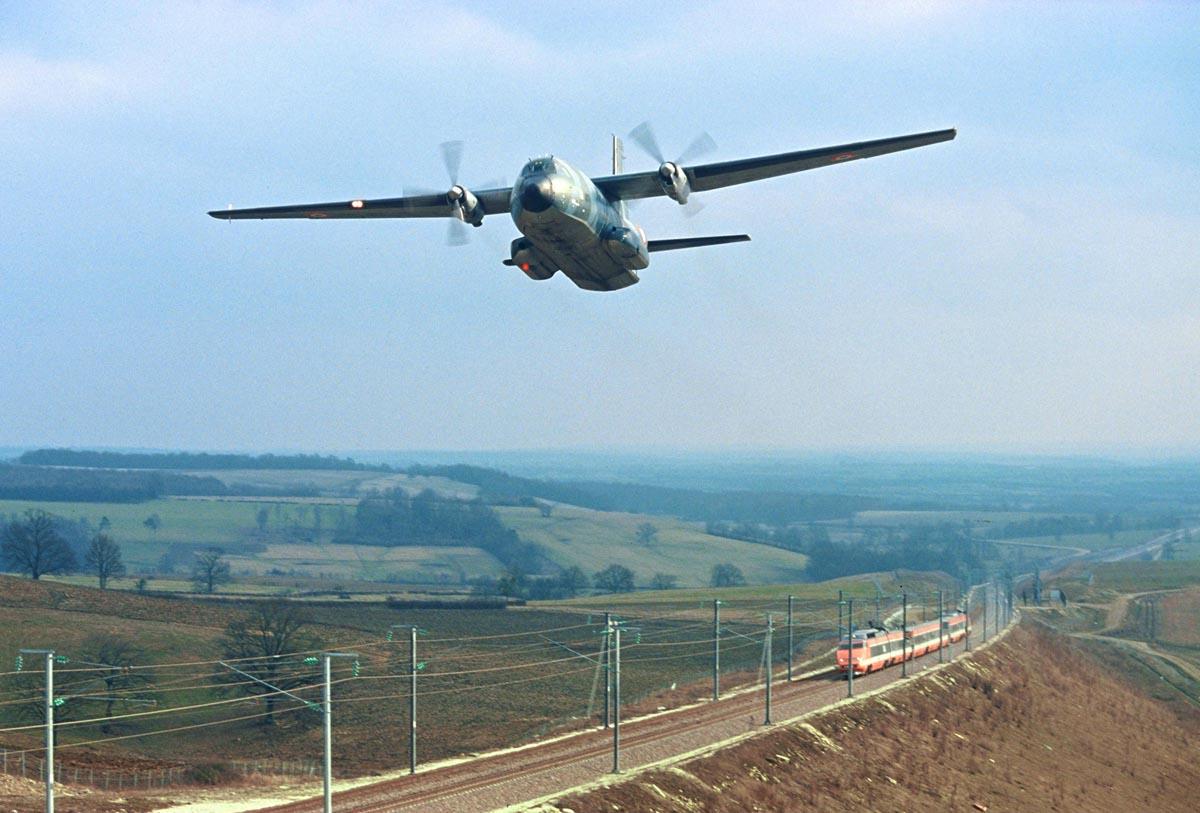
[
  {"x": 397, "y": 518},
  {"x": 89, "y": 485},
  {"x": 947, "y": 547},
  {"x": 758, "y": 506},
  {"x": 108, "y": 485},
  {"x": 191, "y": 460},
  {"x": 39, "y": 544},
  {"x": 1099, "y": 522}
]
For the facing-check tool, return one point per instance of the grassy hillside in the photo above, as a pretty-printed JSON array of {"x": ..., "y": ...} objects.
[
  {"x": 1030, "y": 724},
  {"x": 1120, "y": 539},
  {"x": 221, "y": 522},
  {"x": 474, "y": 659},
  {"x": 858, "y": 587},
  {"x": 231, "y": 523},
  {"x": 412, "y": 564},
  {"x": 1131, "y": 577},
  {"x": 336, "y": 482},
  {"x": 595, "y": 539}
]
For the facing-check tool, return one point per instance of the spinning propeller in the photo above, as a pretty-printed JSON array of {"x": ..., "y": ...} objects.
[
  {"x": 671, "y": 175},
  {"x": 464, "y": 205}
]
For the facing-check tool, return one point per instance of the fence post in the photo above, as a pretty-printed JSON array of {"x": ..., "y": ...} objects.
[{"x": 790, "y": 644}]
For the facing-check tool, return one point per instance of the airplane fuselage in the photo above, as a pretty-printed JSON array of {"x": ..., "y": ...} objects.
[
  {"x": 576, "y": 224},
  {"x": 570, "y": 226}
]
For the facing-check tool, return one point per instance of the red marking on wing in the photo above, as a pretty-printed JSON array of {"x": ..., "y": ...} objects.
[
  {"x": 317, "y": 215},
  {"x": 846, "y": 156}
]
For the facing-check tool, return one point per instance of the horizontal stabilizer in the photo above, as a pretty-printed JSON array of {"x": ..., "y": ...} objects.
[{"x": 696, "y": 242}]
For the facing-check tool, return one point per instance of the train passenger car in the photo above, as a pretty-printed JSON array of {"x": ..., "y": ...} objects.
[{"x": 872, "y": 649}]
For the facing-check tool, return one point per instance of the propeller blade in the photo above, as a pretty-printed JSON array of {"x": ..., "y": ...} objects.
[
  {"x": 643, "y": 134},
  {"x": 692, "y": 208},
  {"x": 457, "y": 234},
  {"x": 703, "y": 144},
  {"x": 452, "y": 152},
  {"x": 413, "y": 191}
]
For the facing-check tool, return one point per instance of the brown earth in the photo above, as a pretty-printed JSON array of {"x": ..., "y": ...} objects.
[
  {"x": 468, "y": 713},
  {"x": 1033, "y": 723},
  {"x": 1179, "y": 612}
]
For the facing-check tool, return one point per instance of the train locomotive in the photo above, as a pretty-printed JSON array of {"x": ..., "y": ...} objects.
[{"x": 872, "y": 648}]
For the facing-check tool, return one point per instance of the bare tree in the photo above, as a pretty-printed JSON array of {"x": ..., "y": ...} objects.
[
  {"x": 646, "y": 532},
  {"x": 103, "y": 558},
  {"x": 260, "y": 519},
  {"x": 153, "y": 522},
  {"x": 34, "y": 546},
  {"x": 664, "y": 581},
  {"x": 259, "y": 645},
  {"x": 572, "y": 580},
  {"x": 614, "y": 579},
  {"x": 209, "y": 570},
  {"x": 544, "y": 508},
  {"x": 727, "y": 575},
  {"x": 113, "y": 658}
]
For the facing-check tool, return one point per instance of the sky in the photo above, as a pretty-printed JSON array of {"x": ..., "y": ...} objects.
[{"x": 1028, "y": 287}]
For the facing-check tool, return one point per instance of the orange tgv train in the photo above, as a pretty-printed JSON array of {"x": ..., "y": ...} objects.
[{"x": 873, "y": 649}]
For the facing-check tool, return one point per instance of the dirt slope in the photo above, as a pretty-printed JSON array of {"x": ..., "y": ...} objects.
[{"x": 1032, "y": 724}]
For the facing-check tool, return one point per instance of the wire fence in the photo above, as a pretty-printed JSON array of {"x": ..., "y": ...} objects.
[
  {"x": 497, "y": 683},
  {"x": 27, "y": 766}
]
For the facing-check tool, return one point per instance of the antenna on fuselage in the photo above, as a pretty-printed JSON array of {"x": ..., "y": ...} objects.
[{"x": 618, "y": 166}]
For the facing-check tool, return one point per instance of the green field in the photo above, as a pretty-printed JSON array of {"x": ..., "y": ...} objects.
[
  {"x": 427, "y": 564},
  {"x": 897, "y": 519},
  {"x": 339, "y": 483},
  {"x": 230, "y": 523},
  {"x": 225, "y": 523},
  {"x": 571, "y": 536},
  {"x": 1134, "y": 577},
  {"x": 1120, "y": 539},
  {"x": 594, "y": 540},
  {"x": 860, "y": 586}
]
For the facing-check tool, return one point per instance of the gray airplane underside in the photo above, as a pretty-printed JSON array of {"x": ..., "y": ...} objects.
[{"x": 578, "y": 225}]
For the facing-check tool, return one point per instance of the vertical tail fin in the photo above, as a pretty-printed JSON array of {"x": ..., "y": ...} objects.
[{"x": 618, "y": 165}]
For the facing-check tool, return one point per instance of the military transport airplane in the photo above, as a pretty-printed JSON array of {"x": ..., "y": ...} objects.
[{"x": 579, "y": 225}]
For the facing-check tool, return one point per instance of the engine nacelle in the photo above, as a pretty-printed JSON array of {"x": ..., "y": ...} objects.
[
  {"x": 466, "y": 205},
  {"x": 674, "y": 182},
  {"x": 627, "y": 246},
  {"x": 525, "y": 257}
]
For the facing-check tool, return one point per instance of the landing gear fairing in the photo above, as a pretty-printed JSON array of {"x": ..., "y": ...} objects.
[{"x": 576, "y": 224}]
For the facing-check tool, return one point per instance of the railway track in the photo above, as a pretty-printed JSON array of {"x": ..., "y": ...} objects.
[
  {"x": 599, "y": 745},
  {"x": 508, "y": 778}
]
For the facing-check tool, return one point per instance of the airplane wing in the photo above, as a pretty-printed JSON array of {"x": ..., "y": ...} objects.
[
  {"x": 703, "y": 177},
  {"x": 493, "y": 201}
]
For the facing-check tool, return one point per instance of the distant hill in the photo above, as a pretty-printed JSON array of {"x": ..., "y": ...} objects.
[
  {"x": 190, "y": 460},
  {"x": 83, "y": 485},
  {"x": 739, "y": 506}
]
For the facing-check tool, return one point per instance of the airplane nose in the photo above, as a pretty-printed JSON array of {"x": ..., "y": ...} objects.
[{"x": 537, "y": 194}]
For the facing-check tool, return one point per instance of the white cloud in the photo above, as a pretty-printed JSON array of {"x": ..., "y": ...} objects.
[{"x": 29, "y": 83}]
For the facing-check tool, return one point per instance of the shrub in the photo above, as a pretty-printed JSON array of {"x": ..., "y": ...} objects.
[{"x": 210, "y": 773}]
